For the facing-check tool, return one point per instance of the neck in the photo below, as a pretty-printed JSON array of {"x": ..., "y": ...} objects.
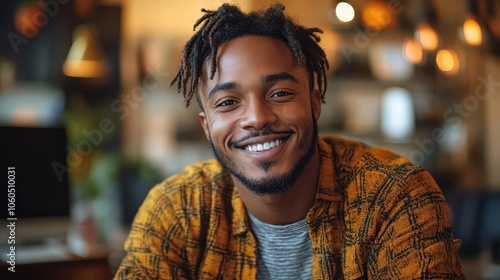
[{"x": 288, "y": 207}]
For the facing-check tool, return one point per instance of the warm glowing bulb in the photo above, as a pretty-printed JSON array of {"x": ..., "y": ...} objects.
[
  {"x": 344, "y": 12},
  {"x": 426, "y": 36},
  {"x": 412, "y": 51},
  {"x": 447, "y": 61},
  {"x": 377, "y": 15},
  {"x": 472, "y": 32}
]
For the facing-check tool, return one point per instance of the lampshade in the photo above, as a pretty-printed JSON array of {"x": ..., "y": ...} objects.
[{"x": 85, "y": 57}]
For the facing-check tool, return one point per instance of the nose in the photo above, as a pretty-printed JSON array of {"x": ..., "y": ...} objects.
[{"x": 257, "y": 114}]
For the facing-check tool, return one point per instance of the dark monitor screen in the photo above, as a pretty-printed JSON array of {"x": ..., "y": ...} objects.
[{"x": 41, "y": 190}]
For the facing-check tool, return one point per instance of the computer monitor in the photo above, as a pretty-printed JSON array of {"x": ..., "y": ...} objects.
[{"x": 41, "y": 205}]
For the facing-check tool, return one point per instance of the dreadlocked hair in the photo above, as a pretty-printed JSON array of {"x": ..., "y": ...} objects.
[{"x": 229, "y": 22}]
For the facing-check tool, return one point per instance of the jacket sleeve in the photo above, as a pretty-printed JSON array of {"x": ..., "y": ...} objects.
[
  {"x": 155, "y": 247},
  {"x": 415, "y": 239}
]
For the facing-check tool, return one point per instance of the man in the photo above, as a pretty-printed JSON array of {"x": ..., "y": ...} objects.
[{"x": 280, "y": 202}]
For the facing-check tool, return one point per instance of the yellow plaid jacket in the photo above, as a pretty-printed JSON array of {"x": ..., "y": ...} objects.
[{"x": 376, "y": 216}]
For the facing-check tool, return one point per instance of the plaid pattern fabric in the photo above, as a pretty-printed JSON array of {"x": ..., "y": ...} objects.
[{"x": 376, "y": 216}]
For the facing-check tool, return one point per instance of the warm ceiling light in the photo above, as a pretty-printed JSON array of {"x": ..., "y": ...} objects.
[
  {"x": 377, "y": 16},
  {"x": 447, "y": 61},
  {"x": 412, "y": 51},
  {"x": 426, "y": 36},
  {"x": 344, "y": 12},
  {"x": 472, "y": 31},
  {"x": 85, "y": 58}
]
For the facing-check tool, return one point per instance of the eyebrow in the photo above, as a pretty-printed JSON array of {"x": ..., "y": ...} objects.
[
  {"x": 265, "y": 80},
  {"x": 224, "y": 86},
  {"x": 279, "y": 77}
]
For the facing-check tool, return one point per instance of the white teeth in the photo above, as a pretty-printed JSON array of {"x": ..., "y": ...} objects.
[{"x": 264, "y": 146}]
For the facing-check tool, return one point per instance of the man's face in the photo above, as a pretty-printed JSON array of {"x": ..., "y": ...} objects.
[{"x": 259, "y": 113}]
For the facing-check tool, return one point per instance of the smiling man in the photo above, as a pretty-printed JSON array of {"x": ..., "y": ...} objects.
[{"x": 279, "y": 201}]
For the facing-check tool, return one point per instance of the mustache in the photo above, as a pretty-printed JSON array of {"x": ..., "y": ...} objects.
[{"x": 262, "y": 132}]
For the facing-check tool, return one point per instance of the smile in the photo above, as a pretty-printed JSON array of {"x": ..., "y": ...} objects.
[{"x": 264, "y": 146}]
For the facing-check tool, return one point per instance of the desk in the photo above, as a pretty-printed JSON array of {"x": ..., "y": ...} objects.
[
  {"x": 51, "y": 263},
  {"x": 72, "y": 269}
]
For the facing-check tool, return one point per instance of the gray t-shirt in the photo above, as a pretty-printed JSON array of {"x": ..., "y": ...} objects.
[{"x": 285, "y": 251}]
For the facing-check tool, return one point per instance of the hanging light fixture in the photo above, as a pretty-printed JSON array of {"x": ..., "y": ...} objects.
[
  {"x": 85, "y": 58},
  {"x": 377, "y": 15},
  {"x": 447, "y": 61},
  {"x": 472, "y": 33},
  {"x": 412, "y": 51},
  {"x": 426, "y": 36}
]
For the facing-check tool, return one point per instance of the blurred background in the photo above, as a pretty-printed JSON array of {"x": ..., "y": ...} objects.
[{"x": 421, "y": 78}]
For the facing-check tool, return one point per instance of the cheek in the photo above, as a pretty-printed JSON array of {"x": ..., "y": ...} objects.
[
  {"x": 303, "y": 121},
  {"x": 220, "y": 130},
  {"x": 299, "y": 116}
]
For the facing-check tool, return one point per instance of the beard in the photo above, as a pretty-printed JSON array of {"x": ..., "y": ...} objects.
[{"x": 274, "y": 184}]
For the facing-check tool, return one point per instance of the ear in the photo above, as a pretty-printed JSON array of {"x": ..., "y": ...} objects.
[
  {"x": 204, "y": 124},
  {"x": 316, "y": 103}
]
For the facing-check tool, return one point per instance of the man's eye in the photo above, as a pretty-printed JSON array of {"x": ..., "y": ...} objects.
[
  {"x": 226, "y": 103},
  {"x": 280, "y": 94}
]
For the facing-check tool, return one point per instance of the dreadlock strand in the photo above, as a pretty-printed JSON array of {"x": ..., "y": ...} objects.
[{"x": 207, "y": 15}]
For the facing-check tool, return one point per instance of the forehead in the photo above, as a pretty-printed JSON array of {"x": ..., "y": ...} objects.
[
  {"x": 250, "y": 52},
  {"x": 253, "y": 46}
]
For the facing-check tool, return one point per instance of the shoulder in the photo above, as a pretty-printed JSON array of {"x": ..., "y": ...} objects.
[
  {"x": 377, "y": 176},
  {"x": 394, "y": 213},
  {"x": 379, "y": 185},
  {"x": 355, "y": 158}
]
